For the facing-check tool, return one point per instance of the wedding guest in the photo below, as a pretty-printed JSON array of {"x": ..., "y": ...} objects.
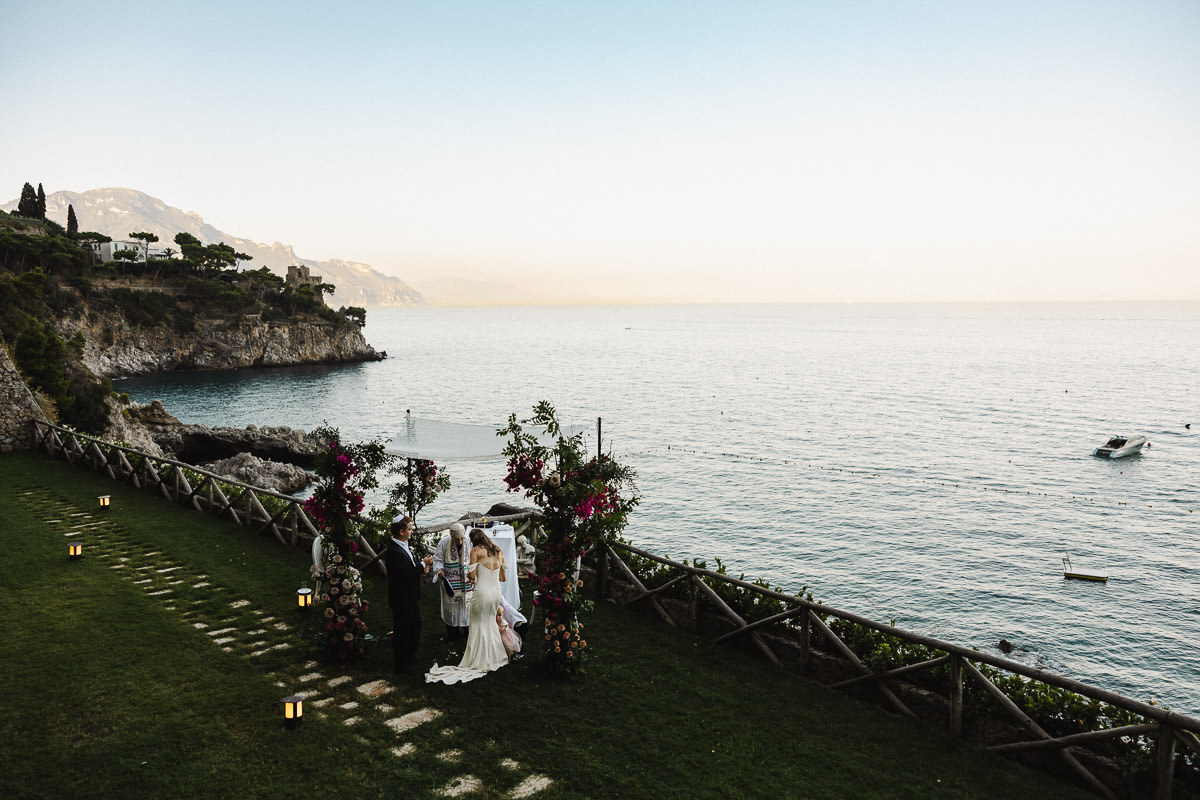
[
  {"x": 404, "y": 593},
  {"x": 450, "y": 561}
]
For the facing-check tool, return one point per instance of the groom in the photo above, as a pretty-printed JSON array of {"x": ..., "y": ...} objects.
[{"x": 404, "y": 592}]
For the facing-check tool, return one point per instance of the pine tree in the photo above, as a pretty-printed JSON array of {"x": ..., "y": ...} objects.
[
  {"x": 72, "y": 221},
  {"x": 41, "y": 202},
  {"x": 27, "y": 207}
]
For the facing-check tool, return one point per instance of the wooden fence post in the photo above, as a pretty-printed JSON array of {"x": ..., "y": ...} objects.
[
  {"x": 956, "y": 695},
  {"x": 1164, "y": 772}
]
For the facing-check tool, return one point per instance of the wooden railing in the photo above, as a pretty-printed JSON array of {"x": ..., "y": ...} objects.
[
  {"x": 262, "y": 510},
  {"x": 796, "y": 627}
]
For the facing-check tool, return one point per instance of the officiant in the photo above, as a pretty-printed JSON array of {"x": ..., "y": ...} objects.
[{"x": 450, "y": 561}]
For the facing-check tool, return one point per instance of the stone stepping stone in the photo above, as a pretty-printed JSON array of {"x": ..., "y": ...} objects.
[
  {"x": 338, "y": 681},
  {"x": 225, "y": 640},
  {"x": 312, "y": 676},
  {"x": 239, "y": 603},
  {"x": 352, "y": 721},
  {"x": 450, "y": 756},
  {"x": 508, "y": 763},
  {"x": 374, "y": 689},
  {"x": 221, "y": 631},
  {"x": 465, "y": 784},
  {"x": 200, "y": 585},
  {"x": 384, "y": 709},
  {"x": 160, "y": 591},
  {"x": 408, "y": 748},
  {"x": 353, "y": 704},
  {"x": 199, "y": 625},
  {"x": 530, "y": 786},
  {"x": 324, "y": 701},
  {"x": 412, "y": 719}
]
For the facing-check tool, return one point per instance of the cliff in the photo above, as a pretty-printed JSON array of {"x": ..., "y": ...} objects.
[{"x": 114, "y": 348}]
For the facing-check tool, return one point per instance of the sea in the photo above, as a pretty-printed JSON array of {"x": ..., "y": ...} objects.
[{"x": 923, "y": 465}]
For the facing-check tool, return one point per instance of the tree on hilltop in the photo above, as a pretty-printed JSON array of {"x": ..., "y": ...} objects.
[
  {"x": 41, "y": 202},
  {"x": 72, "y": 221},
  {"x": 27, "y": 206},
  {"x": 146, "y": 238}
]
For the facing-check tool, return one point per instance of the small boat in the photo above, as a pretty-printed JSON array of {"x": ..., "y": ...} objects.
[
  {"x": 1120, "y": 446},
  {"x": 1082, "y": 574}
]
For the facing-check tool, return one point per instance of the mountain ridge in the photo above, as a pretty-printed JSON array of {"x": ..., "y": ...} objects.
[{"x": 118, "y": 211}]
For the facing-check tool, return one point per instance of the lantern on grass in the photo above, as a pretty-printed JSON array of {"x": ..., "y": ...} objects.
[
  {"x": 75, "y": 550},
  {"x": 105, "y": 500},
  {"x": 293, "y": 710},
  {"x": 304, "y": 598}
]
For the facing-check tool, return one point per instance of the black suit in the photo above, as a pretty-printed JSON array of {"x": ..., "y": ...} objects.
[{"x": 404, "y": 593}]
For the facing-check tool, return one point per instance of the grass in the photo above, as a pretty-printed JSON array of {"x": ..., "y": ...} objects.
[{"x": 117, "y": 686}]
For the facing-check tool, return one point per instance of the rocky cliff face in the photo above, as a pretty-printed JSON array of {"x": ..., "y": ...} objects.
[{"x": 113, "y": 348}]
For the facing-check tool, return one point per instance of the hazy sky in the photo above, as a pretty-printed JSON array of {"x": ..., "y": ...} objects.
[{"x": 663, "y": 151}]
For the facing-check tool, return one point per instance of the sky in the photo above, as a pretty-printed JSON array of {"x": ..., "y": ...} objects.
[{"x": 644, "y": 151}]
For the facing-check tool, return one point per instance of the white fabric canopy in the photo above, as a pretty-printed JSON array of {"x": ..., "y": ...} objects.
[{"x": 433, "y": 440}]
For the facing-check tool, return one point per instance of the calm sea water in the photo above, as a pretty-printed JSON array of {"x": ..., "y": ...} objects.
[{"x": 923, "y": 464}]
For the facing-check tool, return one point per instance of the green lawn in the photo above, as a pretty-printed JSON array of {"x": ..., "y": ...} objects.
[{"x": 155, "y": 666}]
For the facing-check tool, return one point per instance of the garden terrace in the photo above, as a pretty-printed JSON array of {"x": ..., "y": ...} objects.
[{"x": 1114, "y": 745}]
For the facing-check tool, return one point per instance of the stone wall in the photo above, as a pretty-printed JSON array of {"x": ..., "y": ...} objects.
[{"x": 18, "y": 409}]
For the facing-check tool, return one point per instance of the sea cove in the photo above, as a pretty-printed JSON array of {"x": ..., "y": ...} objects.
[{"x": 923, "y": 463}]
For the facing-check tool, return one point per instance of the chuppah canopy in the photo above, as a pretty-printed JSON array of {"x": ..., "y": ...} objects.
[{"x": 434, "y": 440}]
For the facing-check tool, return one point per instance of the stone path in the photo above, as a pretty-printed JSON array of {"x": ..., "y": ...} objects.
[{"x": 373, "y": 709}]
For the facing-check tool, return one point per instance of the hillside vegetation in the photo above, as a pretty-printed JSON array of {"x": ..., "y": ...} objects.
[{"x": 47, "y": 275}]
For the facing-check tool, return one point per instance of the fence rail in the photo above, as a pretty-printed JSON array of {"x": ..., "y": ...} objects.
[
  {"x": 800, "y": 625},
  {"x": 798, "y": 630}
]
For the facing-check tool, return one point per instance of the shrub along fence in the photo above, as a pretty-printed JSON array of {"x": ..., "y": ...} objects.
[{"x": 1117, "y": 746}]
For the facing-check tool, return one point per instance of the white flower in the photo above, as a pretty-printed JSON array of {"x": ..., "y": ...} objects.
[
  {"x": 329, "y": 612},
  {"x": 341, "y": 619},
  {"x": 346, "y": 585},
  {"x": 325, "y": 598},
  {"x": 337, "y": 559},
  {"x": 333, "y": 590},
  {"x": 349, "y": 637}
]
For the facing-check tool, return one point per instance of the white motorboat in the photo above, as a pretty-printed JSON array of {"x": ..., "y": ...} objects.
[{"x": 1120, "y": 446}]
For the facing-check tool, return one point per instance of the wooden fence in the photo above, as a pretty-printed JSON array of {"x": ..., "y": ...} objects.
[
  {"x": 262, "y": 510},
  {"x": 796, "y": 629}
]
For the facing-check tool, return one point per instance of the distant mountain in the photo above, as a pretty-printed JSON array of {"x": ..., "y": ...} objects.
[{"x": 118, "y": 212}]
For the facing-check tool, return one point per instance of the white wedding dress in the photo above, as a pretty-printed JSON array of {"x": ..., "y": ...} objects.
[{"x": 485, "y": 650}]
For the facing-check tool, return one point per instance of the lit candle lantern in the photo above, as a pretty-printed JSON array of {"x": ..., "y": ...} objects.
[
  {"x": 304, "y": 598},
  {"x": 105, "y": 499},
  {"x": 293, "y": 710},
  {"x": 74, "y": 550}
]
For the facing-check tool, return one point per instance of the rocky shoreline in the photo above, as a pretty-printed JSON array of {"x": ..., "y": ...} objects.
[
  {"x": 115, "y": 349},
  {"x": 278, "y": 458}
]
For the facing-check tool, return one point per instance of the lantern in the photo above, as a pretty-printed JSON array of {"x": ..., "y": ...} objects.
[
  {"x": 74, "y": 550},
  {"x": 105, "y": 499},
  {"x": 293, "y": 710},
  {"x": 304, "y": 598}
]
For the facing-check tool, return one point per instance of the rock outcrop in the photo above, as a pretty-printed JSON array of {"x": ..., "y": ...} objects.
[
  {"x": 18, "y": 408},
  {"x": 114, "y": 348},
  {"x": 276, "y": 458},
  {"x": 200, "y": 444},
  {"x": 284, "y": 478}
]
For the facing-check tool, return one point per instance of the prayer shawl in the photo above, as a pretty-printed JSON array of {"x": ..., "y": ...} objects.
[{"x": 455, "y": 569}]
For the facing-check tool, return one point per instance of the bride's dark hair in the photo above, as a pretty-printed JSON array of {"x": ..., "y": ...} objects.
[{"x": 480, "y": 539}]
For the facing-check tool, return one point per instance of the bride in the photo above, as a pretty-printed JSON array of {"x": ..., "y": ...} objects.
[{"x": 485, "y": 649}]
